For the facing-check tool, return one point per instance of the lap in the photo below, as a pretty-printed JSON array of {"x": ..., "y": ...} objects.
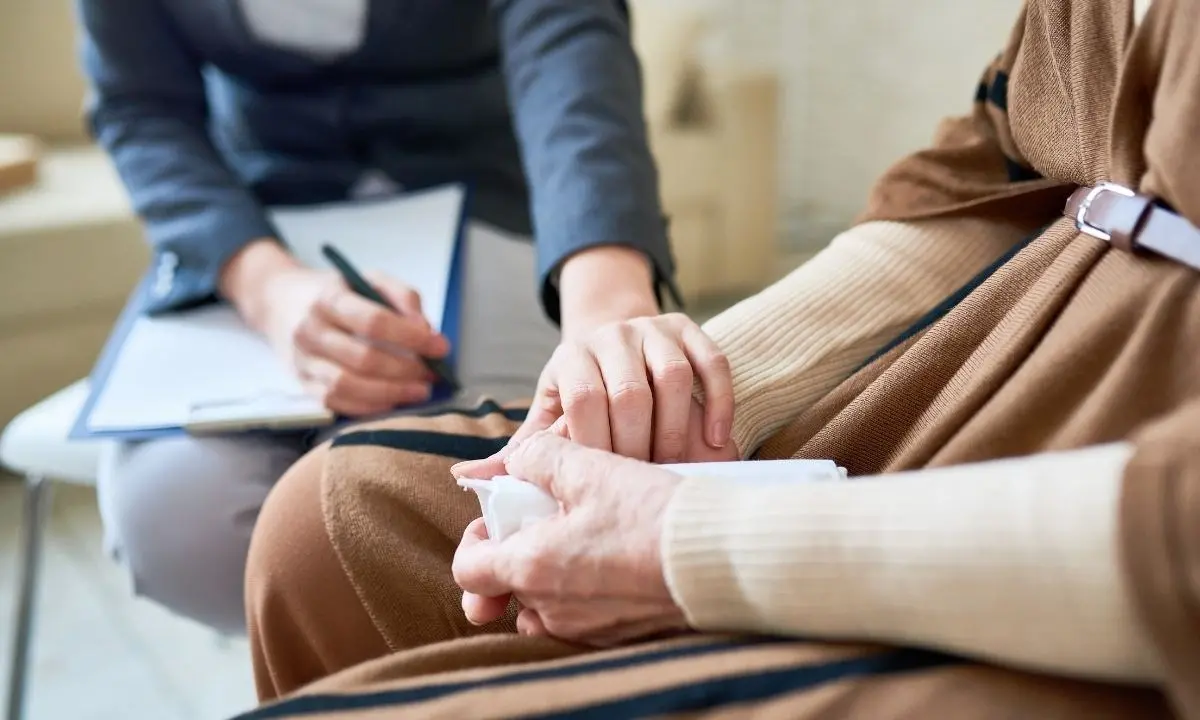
[
  {"x": 392, "y": 515},
  {"x": 364, "y": 529},
  {"x": 185, "y": 485},
  {"x": 698, "y": 676}
]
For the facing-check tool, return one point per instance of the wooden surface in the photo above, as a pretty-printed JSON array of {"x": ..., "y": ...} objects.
[{"x": 19, "y": 156}]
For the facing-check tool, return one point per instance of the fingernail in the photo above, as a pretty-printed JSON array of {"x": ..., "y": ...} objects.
[{"x": 720, "y": 434}]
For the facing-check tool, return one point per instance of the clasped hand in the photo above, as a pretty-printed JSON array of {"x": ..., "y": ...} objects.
[{"x": 594, "y": 572}]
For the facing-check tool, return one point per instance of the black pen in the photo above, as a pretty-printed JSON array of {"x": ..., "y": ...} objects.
[{"x": 361, "y": 287}]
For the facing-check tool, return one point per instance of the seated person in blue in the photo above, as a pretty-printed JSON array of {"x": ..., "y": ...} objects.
[{"x": 213, "y": 110}]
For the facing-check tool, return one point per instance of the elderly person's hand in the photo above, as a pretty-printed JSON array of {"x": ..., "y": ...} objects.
[{"x": 591, "y": 574}]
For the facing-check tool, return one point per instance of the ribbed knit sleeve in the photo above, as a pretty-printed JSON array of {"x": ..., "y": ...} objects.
[
  {"x": 795, "y": 341},
  {"x": 1012, "y": 561}
]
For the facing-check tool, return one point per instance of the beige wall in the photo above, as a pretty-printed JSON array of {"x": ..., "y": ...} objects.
[
  {"x": 42, "y": 89},
  {"x": 866, "y": 83}
]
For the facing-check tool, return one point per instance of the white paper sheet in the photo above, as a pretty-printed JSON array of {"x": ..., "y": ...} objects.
[
  {"x": 410, "y": 238},
  {"x": 173, "y": 368}
]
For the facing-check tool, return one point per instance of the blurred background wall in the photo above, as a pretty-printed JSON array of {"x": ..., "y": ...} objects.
[{"x": 865, "y": 83}]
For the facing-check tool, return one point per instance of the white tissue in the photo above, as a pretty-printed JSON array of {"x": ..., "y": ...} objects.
[{"x": 510, "y": 504}]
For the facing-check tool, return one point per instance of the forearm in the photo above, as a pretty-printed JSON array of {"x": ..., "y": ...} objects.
[
  {"x": 1013, "y": 561},
  {"x": 192, "y": 207},
  {"x": 603, "y": 284},
  {"x": 795, "y": 341},
  {"x": 148, "y": 109},
  {"x": 576, "y": 93},
  {"x": 245, "y": 278}
]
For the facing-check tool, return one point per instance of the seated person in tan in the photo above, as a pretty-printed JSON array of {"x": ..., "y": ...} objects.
[{"x": 1015, "y": 393}]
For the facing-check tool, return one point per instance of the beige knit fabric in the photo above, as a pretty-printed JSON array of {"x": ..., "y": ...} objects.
[
  {"x": 1013, "y": 560},
  {"x": 831, "y": 313}
]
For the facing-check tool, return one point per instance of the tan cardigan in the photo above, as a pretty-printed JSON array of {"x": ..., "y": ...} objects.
[
  {"x": 1019, "y": 560},
  {"x": 977, "y": 559}
]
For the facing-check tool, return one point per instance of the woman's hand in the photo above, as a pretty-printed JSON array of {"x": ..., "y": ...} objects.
[
  {"x": 592, "y": 574},
  {"x": 627, "y": 387},
  {"x": 359, "y": 357}
]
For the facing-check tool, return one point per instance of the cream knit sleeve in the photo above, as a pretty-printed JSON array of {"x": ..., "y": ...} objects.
[
  {"x": 1013, "y": 561},
  {"x": 796, "y": 340}
]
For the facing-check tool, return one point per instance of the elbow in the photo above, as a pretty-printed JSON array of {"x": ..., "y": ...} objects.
[{"x": 111, "y": 118}]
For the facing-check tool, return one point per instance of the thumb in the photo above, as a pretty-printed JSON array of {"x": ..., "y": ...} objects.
[
  {"x": 493, "y": 465},
  {"x": 562, "y": 468}
]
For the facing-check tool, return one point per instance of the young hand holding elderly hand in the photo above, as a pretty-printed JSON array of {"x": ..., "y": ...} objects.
[
  {"x": 591, "y": 574},
  {"x": 622, "y": 377}
]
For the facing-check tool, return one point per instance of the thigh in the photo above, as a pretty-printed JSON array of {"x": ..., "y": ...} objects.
[
  {"x": 504, "y": 338},
  {"x": 352, "y": 553},
  {"x": 179, "y": 513},
  {"x": 156, "y": 483},
  {"x": 701, "y": 676}
]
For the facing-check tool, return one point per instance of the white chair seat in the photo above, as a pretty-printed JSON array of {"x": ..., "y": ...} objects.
[{"x": 35, "y": 442}]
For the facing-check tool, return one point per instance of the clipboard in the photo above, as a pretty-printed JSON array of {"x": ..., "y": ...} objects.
[{"x": 245, "y": 410}]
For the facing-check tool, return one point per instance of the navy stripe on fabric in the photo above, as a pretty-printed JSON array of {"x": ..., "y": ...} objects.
[
  {"x": 753, "y": 687},
  {"x": 1018, "y": 172},
  {"x": 944, "y": 307},
  {"x": 313, "y": 704},
  {"x": 463, "y": 447},
  {"x": 485, "y": 408},
  {"x": 681, "y": 698},
  {"x": 998, "y": 93},
  {"x": 981, "y": 92}
]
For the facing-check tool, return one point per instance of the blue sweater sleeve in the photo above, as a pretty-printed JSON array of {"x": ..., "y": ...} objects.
[
  {"x": 576, "y": 91},
  {"x": 148, "y": 109}
]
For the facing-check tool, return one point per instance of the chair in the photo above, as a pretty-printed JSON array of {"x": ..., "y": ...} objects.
[{"x": 35, "y": 446}]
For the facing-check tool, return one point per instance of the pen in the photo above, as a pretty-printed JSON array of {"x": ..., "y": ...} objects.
[{"x": 360, "y": 286}]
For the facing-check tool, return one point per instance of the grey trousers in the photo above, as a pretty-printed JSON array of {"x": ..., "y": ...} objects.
[{"x": 178, "y": 512}]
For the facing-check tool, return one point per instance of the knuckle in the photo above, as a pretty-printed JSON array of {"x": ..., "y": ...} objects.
[
  {"x": 361, "y": 358},
  {"x": 612, "y": 333},
  {"x": 337, "y": 384},
  {"x": 640, "y": 323},
  {"x": 673, "y": 373},
  {"x": 630, "y": 393},
  {"x": 581, "y": 394},
  {"x": 409, "y": 296},
  {"x": 302, "y": 334},
  {"x": 719, "y": 362},
  {"x": 530, "y": 573},
  {"x": 375, "y": 323},
  {"x": 331, "y": 291},
  {"x": 672, "y": 439}
]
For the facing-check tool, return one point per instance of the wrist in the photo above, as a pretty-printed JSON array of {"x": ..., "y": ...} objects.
[
  {"x": 247, "y": 276},
  {"x": 605, "y": 284}
]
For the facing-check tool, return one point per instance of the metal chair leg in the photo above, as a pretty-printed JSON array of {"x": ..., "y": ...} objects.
[{"x": 38, "y": 498}]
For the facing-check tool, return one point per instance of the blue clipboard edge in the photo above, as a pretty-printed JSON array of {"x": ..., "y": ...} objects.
[{"x": 451, "y": 320}]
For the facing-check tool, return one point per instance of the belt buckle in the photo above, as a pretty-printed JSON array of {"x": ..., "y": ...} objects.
[{"x": 1081, "y": 222}]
